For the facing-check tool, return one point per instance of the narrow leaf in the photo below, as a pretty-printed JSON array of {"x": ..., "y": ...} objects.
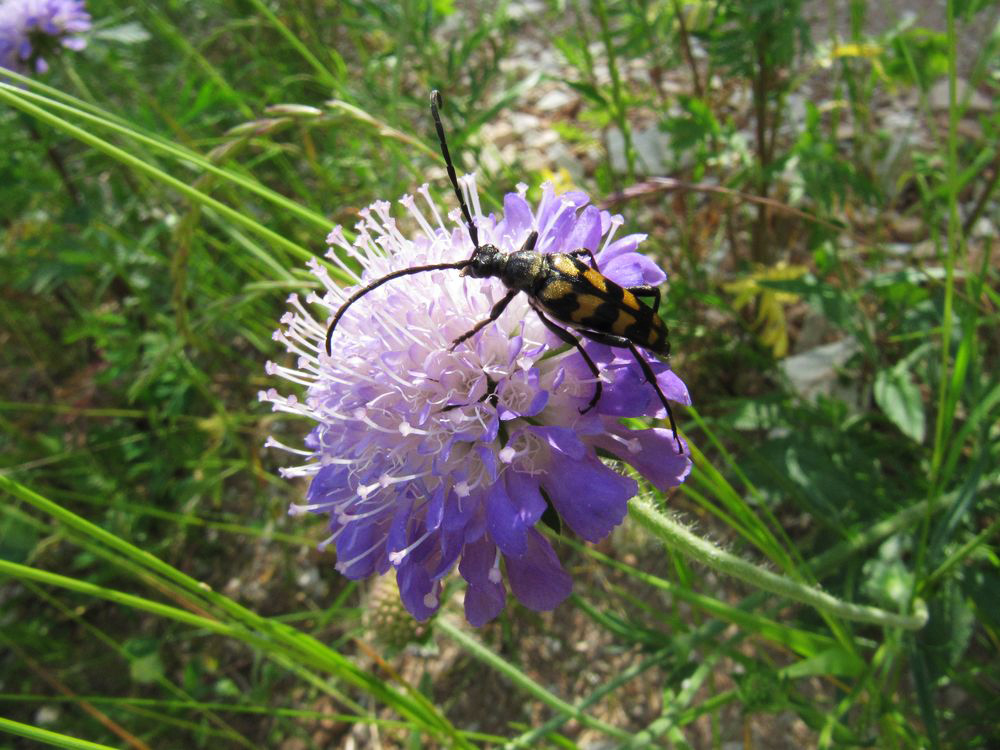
[{"x": 898, "y": 396}]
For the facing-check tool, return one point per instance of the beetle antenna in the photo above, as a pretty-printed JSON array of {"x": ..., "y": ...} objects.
[
  {"x": 377, "y": 283},
  {"x": 436, "y": 102}
]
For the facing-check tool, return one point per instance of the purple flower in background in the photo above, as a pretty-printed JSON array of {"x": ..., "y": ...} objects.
[
  {"x": 33, "y": 30},
  {"x": 426, "y": 458}
]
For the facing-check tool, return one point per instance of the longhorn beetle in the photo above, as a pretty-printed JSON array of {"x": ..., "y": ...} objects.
[{"x": 559, "y": 285}]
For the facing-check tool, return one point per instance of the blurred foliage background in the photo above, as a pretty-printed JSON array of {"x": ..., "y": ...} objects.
[{"x": 818, "y": 180}]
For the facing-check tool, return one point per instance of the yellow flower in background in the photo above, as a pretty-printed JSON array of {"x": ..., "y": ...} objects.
[
  {"x": 771, "y": 323},
  {"x": 562, "y": 181}
]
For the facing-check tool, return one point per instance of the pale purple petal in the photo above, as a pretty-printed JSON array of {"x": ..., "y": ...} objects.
[
  {"x": 458, "y": 513},
  {"x": 622, "y": 246},
  {"x": 508, "y": 517},
  {"x": 24, "y": 24},
  {"x": 555, "y": 239},
  {"x": 591, "y": 498},
  {"x": 484, "y": 603},
  {"x": 628, "y": 394},
  {"x": 671, "y": 385},
  {"x": 632, "y": 269},
  {"x": 398, "y": 537},
  {"x": 517, "y": 215},
  {"x": 576, "y": 198},
  {"x": 521, "y": 396},
  {"x": 586, "y": 232},
  {"x": 358, "y": 546},
  {"x": 653, "y": 453},
  {"x": 452, "y": 539},
  {"x": 329, "y": 488},
  {"x": 479, "y": 562},
  {"x": 485, "y": 595},
  {"x": 435, "y": 509},
  {"x": 419, "y": 594},
  {"x": 536, "y": 578},
  {"x": 563, "y": 439}
]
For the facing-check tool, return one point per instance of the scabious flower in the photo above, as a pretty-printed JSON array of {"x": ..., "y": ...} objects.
[
  {"x": 33, "y": 30},
  {"x": 426, "y": 458}
]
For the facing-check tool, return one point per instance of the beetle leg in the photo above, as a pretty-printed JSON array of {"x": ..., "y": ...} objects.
[
  {"x": 498, "y": 308},
  {"x": 648, "y": 372},
  {"x": 584, "y": 251},
  {"x": 490, "y": 395},
  {"x": 569, "y": 338},
  {"x": 529, "y": 242},
  {"x": 622, "y": 342},
  {"x": 608, "y": 339}
]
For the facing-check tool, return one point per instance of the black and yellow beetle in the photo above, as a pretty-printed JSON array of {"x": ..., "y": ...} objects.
[{"x": 557, "y": 284}]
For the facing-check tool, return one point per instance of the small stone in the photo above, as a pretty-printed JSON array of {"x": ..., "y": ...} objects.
[
  {"x": 555, "y": 100},
  {"x": 974, "y": 101}
]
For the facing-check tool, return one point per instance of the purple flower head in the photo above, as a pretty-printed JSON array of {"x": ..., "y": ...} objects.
[
  {"x": 33, "y": 30},
  {"x": 424, "y": 458}
]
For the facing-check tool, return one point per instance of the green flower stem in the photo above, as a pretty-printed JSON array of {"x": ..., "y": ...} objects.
[{"x": 679, "y": 538}]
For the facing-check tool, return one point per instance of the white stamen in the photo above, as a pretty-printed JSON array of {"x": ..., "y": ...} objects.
[
  {"x": 343, "y": 565},
  {"x": 424, "y": 190},
  {"x": 616, "y": 221},
  {"x": 494, "y": 574},
  {"x": 397, "y": 557}
]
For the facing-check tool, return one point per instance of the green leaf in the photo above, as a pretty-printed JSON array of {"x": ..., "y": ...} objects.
[
  {"x": 145, "y": 665},
  {"x": 694, "y": 125},
  {"x": 17, "y": 539},
  {"x": 898, "y": 396},
  {"x": 146, "y": 669},
  {"x": 966, "y": 9},
  {"x": 949, "y": 630},
  {"x": 761, "y": 690},
  {"x": 983, "y": 589},
  {"x": 833, "y": 302},
  {"x": 887, "y": 578},
  {"x": 832, "y": 661},
  {"x": 920, "y": 56},
  {"x": 589, "y": 91},
  {"x": 126, "y": 33}
]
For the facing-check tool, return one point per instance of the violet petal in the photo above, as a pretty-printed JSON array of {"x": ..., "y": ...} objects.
[{"x": 537, "y": 578}]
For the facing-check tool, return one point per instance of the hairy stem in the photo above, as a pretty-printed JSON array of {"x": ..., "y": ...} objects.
[{"x": 678, "y": 537}]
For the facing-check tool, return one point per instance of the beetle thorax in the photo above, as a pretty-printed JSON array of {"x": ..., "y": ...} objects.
[
  {"x": 518, "y": 270},
  {"x": 523, "y": 270}
]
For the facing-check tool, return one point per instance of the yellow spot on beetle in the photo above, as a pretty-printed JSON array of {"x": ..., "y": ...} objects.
[
  {"x": 623, "y": 321},
  {"x": 630, "y": 300},
  {"x": 555, "y": 290},
  {"x": 587, "y": 307},
  {"x": 564, "y": 265},
  {"x": 596, "y": 279}
]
